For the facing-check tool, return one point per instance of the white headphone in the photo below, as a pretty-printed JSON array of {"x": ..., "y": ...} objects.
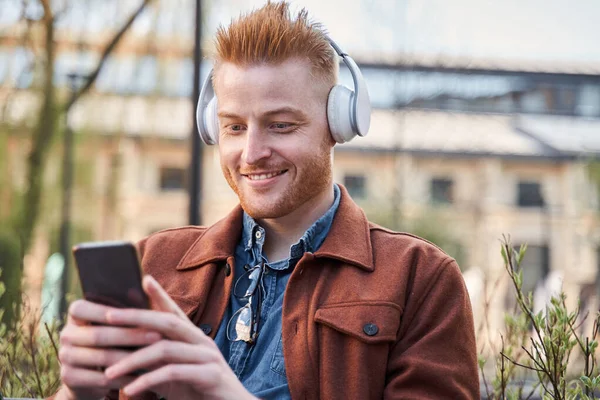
[{"x": 348, "y": 112}]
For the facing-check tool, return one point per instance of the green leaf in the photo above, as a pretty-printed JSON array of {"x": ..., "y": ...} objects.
[
  {"x": 515, "y": 257},
  {"x": 518, "y": 278},
  {"x": 504, "y": 256},
  {"x": 481, "y": 360},
  {"x": 522, "y": 251},
  {"x": 586, "y": 381}
]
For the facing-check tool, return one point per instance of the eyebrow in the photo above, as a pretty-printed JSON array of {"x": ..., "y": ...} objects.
[{"x": 281, "y": 110}]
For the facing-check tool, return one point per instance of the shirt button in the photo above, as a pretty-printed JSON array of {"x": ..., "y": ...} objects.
[
  {"x": 370, "y": 329},
  {"x": 206, "y": 328},
  {"x": 258, "y": 234}
]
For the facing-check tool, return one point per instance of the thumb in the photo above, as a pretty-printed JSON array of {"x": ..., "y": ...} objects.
[{"x": 159, "y": 298}]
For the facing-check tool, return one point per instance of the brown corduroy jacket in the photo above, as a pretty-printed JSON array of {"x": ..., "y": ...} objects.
[{"x": 372, "y": 314}]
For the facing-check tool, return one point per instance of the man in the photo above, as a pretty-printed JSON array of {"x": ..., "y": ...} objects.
[{"x": 294, "y": 294}]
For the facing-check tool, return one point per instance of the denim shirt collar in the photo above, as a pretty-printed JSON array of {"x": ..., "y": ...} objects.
[{"x": 253, "y": 235}]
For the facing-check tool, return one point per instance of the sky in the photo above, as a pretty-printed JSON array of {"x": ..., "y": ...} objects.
[
  {"x": 545, "y": 31},
  {"x": 531, "y": 31}
]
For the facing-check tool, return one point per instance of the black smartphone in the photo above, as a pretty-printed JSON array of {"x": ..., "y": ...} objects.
[{"x": 110, "y": 274}]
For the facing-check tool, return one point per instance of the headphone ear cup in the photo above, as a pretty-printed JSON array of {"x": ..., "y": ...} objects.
[
  {"x": 206, "y": 113},
  {"x": 208, "y": 122},
  {"x": 339, "y": 114},
  {"x": 212, "y": 121}
]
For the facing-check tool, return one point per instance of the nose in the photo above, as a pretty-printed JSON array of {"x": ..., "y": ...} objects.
[{"x": 256, "y": 147}]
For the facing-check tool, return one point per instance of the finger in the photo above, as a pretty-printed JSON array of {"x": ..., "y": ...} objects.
[
  {"x": 90, "y": 357},
  {"x": 200, "y": 377},
  {"x": 161, "y": 353},
  {"x": 71, "y": 320},
  {"x": 165, "y": 323},
  {"x": 80, "y": 378},
  {"x": 159, "y": 298},
  {"x": 84, "y": 310},
  {"x": 107, "y": 336}
]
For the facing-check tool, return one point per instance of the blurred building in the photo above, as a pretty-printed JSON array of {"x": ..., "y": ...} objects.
[{"x": 460, "y": 150}]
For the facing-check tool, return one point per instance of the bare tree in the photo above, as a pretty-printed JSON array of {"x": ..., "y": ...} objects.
[
  {"x": 48, "y": 116},
  {"x": 24, "y": 214}
]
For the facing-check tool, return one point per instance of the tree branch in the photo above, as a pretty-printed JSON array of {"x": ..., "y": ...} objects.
[
  {"x": 52, "y": 341},
  {"x": 485, "y": 382},
  {"x": 109, "y": 48},
  {"x": 533, "y": 389},
  {"x": 519, "y": 364},
  {"x": 48, "y": 16},
  {"x": 12, "y": 366}
]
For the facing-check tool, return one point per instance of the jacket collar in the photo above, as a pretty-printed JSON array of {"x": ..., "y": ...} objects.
[
  {"x": 349, "y": 238},
  {"x": 217, "y": 243}
]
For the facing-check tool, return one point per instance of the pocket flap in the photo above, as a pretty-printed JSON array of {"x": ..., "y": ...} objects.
[
  {"x": 370, "y": 322},
  {"x": 188, "y": 305}
]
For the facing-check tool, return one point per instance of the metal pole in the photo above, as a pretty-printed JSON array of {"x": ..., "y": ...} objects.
[
  {"x": 67, "y": 184},
  {"x": 195, "y": 176}
]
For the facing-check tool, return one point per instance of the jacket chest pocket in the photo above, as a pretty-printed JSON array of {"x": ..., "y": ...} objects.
[
  {"x": 353, "y": 352},
  {"x": 370, "y": 322}
]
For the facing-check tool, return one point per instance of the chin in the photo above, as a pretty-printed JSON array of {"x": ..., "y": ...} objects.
[
  {"x": 258, "y": 209},
  {"x": 263, "y": 212}
]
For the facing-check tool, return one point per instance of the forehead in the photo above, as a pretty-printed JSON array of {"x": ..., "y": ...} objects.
[{"x": 289, "y": 81}]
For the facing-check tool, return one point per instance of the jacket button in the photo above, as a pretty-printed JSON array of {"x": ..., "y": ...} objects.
[
  {"x": 370, "y": 329},
  {"x": 206, "y": 328},
  {"x": 227, "y": 269}
]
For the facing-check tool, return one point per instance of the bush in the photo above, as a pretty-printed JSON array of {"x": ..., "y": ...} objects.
[
  {"x": 11, "y": 263},
  {"x": 544, "y": 347},
  {"x": 29, "y": 365}
]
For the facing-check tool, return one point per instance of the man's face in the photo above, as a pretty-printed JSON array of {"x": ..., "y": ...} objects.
[{"x": 274, "y": 141}]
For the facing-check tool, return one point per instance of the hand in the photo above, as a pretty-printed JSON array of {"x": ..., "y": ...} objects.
[
  {"x": 86, "y": 349},
  {"x": 186, "y": 364}
]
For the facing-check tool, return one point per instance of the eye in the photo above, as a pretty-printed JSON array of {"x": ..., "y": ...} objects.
[
  {"x": 234, "y": 128},
  {"x": 281, "y": 126}
]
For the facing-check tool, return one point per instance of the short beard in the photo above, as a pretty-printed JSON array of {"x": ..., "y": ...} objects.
[{"x": 315, "y": 179}]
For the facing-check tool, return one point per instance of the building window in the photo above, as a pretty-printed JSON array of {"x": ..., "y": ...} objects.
[
  {"x": 356, "y": 186},
  {"x": 442, "y": 191},
  {"x": 530, "y": 194},
  {"x": 173, "y": 179}
]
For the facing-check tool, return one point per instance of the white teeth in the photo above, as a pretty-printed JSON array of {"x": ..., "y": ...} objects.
[{"x": 261, "y": 177}]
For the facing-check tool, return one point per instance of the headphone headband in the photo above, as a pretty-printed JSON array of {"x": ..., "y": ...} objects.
[{"x": 348, "y": 112}]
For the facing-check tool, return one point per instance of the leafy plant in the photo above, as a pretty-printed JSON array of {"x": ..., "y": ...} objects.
[
  {"x": 543, "y": 346},
  {"x": 29, "y": 365}
]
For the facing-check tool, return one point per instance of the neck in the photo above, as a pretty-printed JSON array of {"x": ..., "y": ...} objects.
[{"x": 283, "y": 232}]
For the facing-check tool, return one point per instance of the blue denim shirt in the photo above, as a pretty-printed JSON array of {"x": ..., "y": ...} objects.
[{"x": 260, "y": 366}]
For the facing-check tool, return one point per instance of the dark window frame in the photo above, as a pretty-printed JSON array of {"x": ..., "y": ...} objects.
[
  {"x": 356, "y": 184},
  {"x": 168, "y": 183},
  {"x": 441, "y": 191},
  {"x": 530, "y": 194}
]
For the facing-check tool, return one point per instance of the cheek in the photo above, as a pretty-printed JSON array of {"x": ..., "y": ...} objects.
[{"x": 228, "y": 155}]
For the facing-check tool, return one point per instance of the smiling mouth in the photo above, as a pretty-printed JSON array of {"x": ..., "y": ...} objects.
[{"x": 261, "y": 177}]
